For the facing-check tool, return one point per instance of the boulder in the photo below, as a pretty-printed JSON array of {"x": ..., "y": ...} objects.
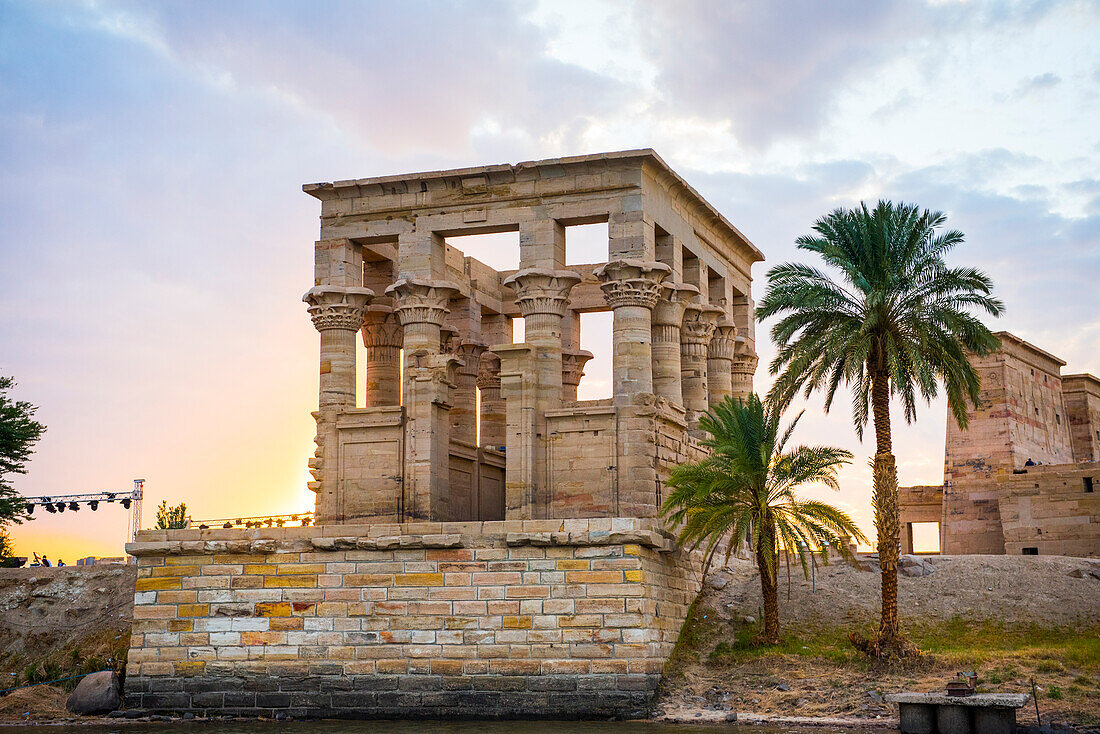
[
  {"x": 97, "y": 693},
  {"x": 909, "y": 565}
]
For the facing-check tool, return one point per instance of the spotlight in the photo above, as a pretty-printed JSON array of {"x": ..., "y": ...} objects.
[
  {"x": 126, "y": 503},
  {"x": 60, "y": 506},
  {"x": 228, "y": 525},
  {"x": 50, "y": 508},
  {"x": 74, "y": 506},
  {"x": 30, "y": 510},
  {"x": 94, "y": 504},
  {"x": 204, "y": 527}
]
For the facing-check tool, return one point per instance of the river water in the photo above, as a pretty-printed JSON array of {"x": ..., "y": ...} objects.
[{"x": 418, "y": 727}]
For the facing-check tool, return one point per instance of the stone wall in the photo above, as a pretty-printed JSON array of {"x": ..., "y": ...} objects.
[
  {"x": 1052, "y": 510},
  {"x": 1082, "y": 396},
  {"x": 555, "y": 619}
]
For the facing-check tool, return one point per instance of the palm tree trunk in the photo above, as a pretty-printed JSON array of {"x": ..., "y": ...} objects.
[
  {"x": 885, "y": 501},
  {"x": 769, "y": 590}
]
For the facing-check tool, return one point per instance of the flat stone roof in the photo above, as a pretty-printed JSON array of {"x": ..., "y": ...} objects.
[
  {"x": 330, "y": 190},
  {"x": 1009, "y": 336}
]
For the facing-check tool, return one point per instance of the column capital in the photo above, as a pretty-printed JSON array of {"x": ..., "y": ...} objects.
[
  {"x": 631, "y": 282},
  {"x": 470, "y": 352},
  {"x": 700, "y": 321},
  {"x": 723, "y": 343},
  {"x": 380, "y": 327},
  {"x": 540, "y": 290},
  {"x": 572, "y": 366},
  {"x": 675, "y": 297},
  {"x": 422, "y": 301},
  {"x": 488, "y": 373},
  {"x": 338, "y": 307},
  {"x": 745, "y": 363}
]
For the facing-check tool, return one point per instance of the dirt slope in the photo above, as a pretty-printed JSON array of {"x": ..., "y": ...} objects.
[{"x": 44, "y": 611}]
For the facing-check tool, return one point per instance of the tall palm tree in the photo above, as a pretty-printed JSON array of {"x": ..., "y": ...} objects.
[
  {"x": 743, "y": 492},
  {"x": 897, "y": 323}
]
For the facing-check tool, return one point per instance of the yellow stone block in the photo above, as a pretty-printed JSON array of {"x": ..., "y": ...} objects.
[
  {"x": 159, "y": 584},
  {"x": 282, "y": 582},
  {"x": 572, "y": 564},
  {"x": 635, "y": 575},
  {"x": 632, "y": 549},
  {"x": 418, "y": 579},
  {"x": 517, "y": 623},
  {"x": 189, "y": 667},
  {"x": 193, "y": 610}
]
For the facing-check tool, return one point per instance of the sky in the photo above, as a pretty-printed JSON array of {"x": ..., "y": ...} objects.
[{"x": 155, "y": 241}]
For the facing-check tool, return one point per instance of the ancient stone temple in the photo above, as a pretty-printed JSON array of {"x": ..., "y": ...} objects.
[
  {"x": 487, "y": 545},
  {"x": 1021, "y": 479},
  {"x": 676, "y": 278}
]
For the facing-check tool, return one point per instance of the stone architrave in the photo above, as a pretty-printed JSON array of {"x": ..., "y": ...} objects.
[
  {"x": 572, "y": 370},
  {"x": 720, "y": 355},
  {"x": 382, "y": 340},
  {"x": 542, "y": 296},
  {"x": 700, "y": 321},
  {"x": 421, "y": 307},
  {"x": 493, "y": 419},
  {"x": 632, "y": 288},
  {"x": 668, "y": 315}
]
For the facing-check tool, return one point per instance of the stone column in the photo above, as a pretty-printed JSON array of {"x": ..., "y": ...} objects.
[
  {"x": 572, "y": 370},
  {"x": 668, "y": 315},
  {"x": 542, "y": 296},
  {"x": 720, "y": 353},
  {"x": 464, "y": 412},
  {"x": 337, "y": 313},
  {"x": 492, "y": 404},
  {"x": 699, "y": 323},
  {"x": 382, "y": 340},
  {"x": 421, "y": 306},
  {"x": 631, "y": 289},
  {"x": 743, "y": 369}
]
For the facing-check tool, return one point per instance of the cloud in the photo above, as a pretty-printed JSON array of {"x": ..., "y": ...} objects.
[
  {"x": 1040, "y": 82},
  {"x": 401, "y": 76}
]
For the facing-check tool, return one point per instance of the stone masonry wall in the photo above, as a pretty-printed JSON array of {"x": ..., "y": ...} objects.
[
  {"x": 1052, "y": 509},
  {"x": 555, "y": 619}
]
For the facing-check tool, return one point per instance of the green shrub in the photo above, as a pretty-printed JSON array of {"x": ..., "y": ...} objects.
[{"x": 1054, "y": 692}]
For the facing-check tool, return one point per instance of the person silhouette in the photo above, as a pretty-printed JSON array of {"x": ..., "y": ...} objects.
[
  {"x": 46, "y": 562},
  {"x": 1029, "y": 462}
]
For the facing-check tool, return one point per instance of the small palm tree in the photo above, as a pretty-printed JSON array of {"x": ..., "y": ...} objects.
[
  {"x": 743, "y": 493},
  {"x": 898, "y": 323}
]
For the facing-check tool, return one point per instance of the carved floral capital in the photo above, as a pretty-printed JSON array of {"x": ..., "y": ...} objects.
[
  {"x": 631, "y": 282},
  {"x": 541, "y": 291},
  {"x": 422, "y": 301},
  {"x": 572, "y": 366},
  {"x": 699, "y": 324},
  {"x": 338, "y": 307}
]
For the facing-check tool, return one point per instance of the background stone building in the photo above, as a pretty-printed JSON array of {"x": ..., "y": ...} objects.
[{"x": 992, "y": 500}]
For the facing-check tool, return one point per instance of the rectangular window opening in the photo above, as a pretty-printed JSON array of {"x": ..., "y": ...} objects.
[
  {"x": 1029, "y": 551},
  {"x": 519, "y": 331},
  {"x": 1087, "y": 481},
  {"x": 498, "y": 250},
  {"x": 586, "y": 243},
  {"x": 596, "y": 338}
]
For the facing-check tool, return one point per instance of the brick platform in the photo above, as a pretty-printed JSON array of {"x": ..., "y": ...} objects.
[{"x": 511, "y": 619}]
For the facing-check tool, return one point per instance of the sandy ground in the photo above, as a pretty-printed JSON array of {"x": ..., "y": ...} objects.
[
  {"x": 1011, "y": 589},
  {"x": 1052, "y": 592}
]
